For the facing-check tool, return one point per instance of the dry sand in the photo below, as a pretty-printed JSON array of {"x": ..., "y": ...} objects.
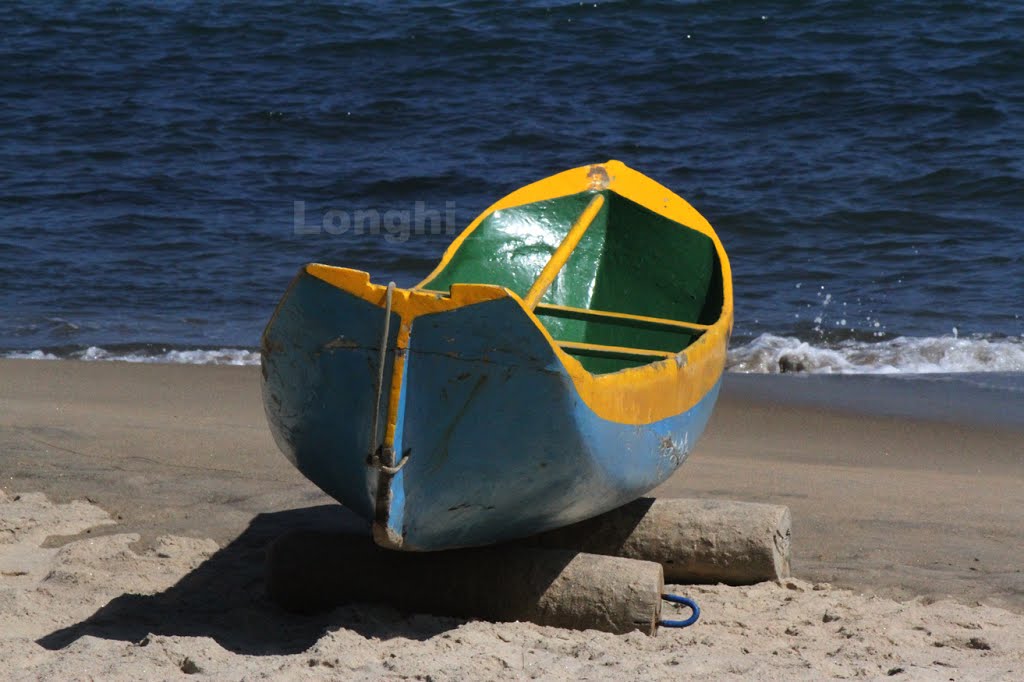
[{"x": 137, "y": 501}]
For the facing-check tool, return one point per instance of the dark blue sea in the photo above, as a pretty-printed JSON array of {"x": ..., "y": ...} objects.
[{"x": 165, "y": 167}]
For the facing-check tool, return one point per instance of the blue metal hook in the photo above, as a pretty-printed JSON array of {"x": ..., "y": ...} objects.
[{"x": 686, "y": 601}]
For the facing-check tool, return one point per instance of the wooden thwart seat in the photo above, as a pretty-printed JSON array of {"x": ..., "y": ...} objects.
[
  {"x": 596, "y": 350},
  {"x": 623, "y": 319}
]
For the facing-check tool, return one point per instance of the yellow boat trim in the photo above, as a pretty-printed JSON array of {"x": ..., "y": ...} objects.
[
  {"x": 639, "y": 395},
  {"x": 613, "y": 175}
]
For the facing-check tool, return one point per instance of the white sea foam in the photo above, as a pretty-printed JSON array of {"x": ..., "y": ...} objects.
[
  {"x": 220, "y": 356},
  {"x": 770, "y": 354},
  {"x": 767, "y": 354},
  {"x": 31, "y": 355}
]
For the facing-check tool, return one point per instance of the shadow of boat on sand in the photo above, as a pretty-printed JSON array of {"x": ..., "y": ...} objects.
[{"x": 225, "y": 599}]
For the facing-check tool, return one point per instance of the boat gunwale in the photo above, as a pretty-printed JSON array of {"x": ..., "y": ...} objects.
[
  {"x": 633, "y": 395},
  {"x": 630, "y": 184}
]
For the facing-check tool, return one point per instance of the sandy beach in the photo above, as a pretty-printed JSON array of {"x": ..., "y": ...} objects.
[{"x": 136, "y": 503}]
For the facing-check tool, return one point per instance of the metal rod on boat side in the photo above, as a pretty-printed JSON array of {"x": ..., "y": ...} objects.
[
  {"x": 379, "y": 385},
  {"x": 561, "y": 255}
]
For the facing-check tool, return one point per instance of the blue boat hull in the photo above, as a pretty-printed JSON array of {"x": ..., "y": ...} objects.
[{"x": 492, "y": 438}]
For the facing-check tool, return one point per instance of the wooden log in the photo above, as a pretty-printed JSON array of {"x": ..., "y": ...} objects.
[
  {"x": 309, "y": 571},
  {"x": 695, "y": 541}
]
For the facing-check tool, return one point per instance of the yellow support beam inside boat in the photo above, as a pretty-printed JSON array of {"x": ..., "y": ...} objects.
[
  {"x": 587, "y": 315},
  {"x": 601, "y": 351},
  {"x": 562, "y": 253}
]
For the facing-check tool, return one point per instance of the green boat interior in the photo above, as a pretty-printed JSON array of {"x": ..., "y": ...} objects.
[{"x": 617, "y": 285}]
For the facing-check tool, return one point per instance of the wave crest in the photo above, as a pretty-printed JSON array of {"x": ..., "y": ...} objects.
[
  {"x": 771, "y": 354},
  {"x": 767, "y": 354},
  {"x": 218, "y": 356}
]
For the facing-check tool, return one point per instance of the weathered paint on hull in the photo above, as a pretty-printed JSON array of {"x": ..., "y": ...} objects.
[{"x": 497, "y": 442}]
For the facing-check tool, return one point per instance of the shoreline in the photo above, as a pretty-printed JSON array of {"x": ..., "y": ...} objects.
[{"x": 984, "y": 399}]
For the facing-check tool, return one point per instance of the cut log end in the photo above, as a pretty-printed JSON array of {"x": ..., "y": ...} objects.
[{"x": 695, "y": 541}]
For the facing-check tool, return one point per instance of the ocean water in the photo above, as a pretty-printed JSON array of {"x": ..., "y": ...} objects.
[{"x": 167, "y": 167}]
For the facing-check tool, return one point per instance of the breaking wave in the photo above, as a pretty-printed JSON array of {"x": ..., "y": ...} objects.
[
  {"x": 219, "y": 356},
  {"x": 766, "y": 354},
  {"x": 770, "y": 354}
]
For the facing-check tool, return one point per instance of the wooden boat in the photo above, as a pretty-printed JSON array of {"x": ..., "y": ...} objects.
[{"x": 561, "y": 360}]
